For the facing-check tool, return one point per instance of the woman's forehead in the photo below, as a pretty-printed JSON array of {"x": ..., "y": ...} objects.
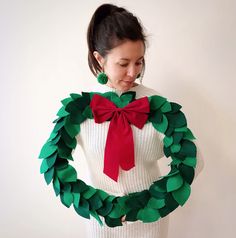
[{"x": 128, "y": 50}]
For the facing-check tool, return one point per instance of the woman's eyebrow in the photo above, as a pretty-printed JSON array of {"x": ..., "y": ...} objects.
[{"x": 129, "y": 59}]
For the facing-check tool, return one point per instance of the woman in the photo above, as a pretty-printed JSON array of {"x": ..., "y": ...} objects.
[
  {"x": 117, "y": 45},
  {"x": 118, "y": 126}
]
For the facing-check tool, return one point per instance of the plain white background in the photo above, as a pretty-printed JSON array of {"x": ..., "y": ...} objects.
[{"x": 43, "y": 57}]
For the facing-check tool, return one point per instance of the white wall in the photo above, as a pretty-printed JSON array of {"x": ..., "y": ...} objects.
[{"x": 43, "y": 58}]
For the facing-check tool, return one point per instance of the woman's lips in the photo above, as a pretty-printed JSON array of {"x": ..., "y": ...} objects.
[{"x": 128, "y": 82}]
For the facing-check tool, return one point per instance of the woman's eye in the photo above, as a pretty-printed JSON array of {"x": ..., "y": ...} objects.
[
  {"x": 139, "y": 63},
  {"x": 123, "y": 65}
]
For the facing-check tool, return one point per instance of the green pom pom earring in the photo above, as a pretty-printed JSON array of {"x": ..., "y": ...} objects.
[{"x": 102, "y": 78}]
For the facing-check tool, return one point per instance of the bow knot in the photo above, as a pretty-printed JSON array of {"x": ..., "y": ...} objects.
[{"x": 119, "y": 149}]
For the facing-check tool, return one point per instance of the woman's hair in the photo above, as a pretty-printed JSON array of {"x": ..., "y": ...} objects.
[{"x": 109, "y": 27}]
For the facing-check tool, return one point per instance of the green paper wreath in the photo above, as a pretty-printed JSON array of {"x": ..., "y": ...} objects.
[{"x": 162, "y": 197}]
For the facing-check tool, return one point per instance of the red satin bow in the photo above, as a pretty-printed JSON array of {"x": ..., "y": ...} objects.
[{"x": 119, "y": 150}]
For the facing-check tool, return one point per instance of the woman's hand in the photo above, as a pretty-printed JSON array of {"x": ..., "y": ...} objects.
[{"x": 123, "y": 219}]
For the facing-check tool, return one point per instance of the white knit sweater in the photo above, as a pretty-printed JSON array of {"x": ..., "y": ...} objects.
[{"x": 148, "y": 149}]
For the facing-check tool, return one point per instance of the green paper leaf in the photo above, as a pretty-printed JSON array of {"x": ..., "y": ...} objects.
[
  {"x": 170, "y": 202},
  {"x": 181, "y": 129},
  {"x": 70, "y": 142},
  {"x": 132, "y": 215},
  {"x": 63, "y": 150},
  {"x": 187, "y": 173},
  {"x": 109, "y": 95},
  {"x": 56, "y": 186},
  {"x": 175, "y": 107},
  {"x": 47, "y": 150},
  {"x": 87, "y": 113},
  {"x": 119, "y": 103},
  {"x": 78, "y": 104},
  {"x": 188, "y": 148},
  {"x": 52, "y": 136},
  {"x": 66, "y": 188},
  {"x": 60, "y": 123},
  {"x": 89, "y": 193},
  {"x": 166, "y": 107},
  {"x": 113, "y": 222},
  {"x": 51, "y": 160},
  {"x": 117, "y": 211},
  {"x": 76, "y": 117},
  {"x": 160, "y": 185},
  {"x": 162, "y": 127},
  {"x": 83, "y": 208},
  {"x": 72, "y": 107},
  {"x": 72, "y": 130},
  {"x": 175, "y": 161},
  {"x": 123, "y": 100},
  {"x": 106, "y": 209},
  {"x": 75, "y": 96},
  {"x": 174, "y": 182},
  {"x": 62, "y": 112},
  {"x": 177, "y": 137},
  {"x": 189, "y": 135},
  {"x": 170, "y": 130},
  {"x": 44, "y": 166},
  {"x": 66, "y": 101},
  {"x": 156, "y": 203},
  {"x": 111, "y": 198},
  {"x": 138, "y": 199},
  {"x": 95, "y": 202},
  {"x": 177, "y": 120},
  {"x": 79, "y": 186},
  {"x": 182, "y": 194},
  {"x": 67, "y": 199},
  {"x": 57, "y": 120},
  {"x": 70, "y": 158},
  {"x": 167, "y": 151},
  {"x": 156, "y": 116},
  {"x": 128, "y": 96},
  {"x": 148, "y": 215},
  {"x": 76, "y": 199},
  {"x": 190, "y": 161},
  {"x": 67, "y": 174},
  {"x": 175, "y": 148},
  {"x": 56, "y": 139},
  {"x": 61, "y": 163},
  {"x": 156, "y": 193},
  {"x": 102, "y": 194},
  {"x": 168, "y": 141},
  {"x": 122, "y": 201},
  {"x": 48, "y": 176},
  {"x": 164, "y": 211},
  {"x": 156, "y": 102},
  {"x": 95, "y": 215}
]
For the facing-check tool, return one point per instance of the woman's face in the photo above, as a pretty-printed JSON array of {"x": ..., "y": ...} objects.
[{"x": 123, "y": 64}]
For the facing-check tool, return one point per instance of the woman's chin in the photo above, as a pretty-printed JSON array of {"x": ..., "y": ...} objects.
[
  {"x": 123, "y": 86},
  {"x": 126, "y": 85}
]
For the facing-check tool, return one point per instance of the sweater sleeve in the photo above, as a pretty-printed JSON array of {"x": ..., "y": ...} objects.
[{"x": 200, "y": 161}]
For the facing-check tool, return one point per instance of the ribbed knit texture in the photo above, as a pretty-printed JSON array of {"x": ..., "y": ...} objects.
[{"x": 148, "y": 149}]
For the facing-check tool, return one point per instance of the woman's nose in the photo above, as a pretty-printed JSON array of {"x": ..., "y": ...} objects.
[{"x": 132, "y": 71}]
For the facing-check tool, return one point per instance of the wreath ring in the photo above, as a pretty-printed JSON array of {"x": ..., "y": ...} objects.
[{"x": 162, "y": 197}]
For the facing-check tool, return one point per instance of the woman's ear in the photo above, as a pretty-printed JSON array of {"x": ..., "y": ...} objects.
[{"x": 99, "y": 58}]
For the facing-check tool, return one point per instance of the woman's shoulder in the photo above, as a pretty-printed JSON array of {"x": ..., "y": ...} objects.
[{"x": 142, "y": 91}]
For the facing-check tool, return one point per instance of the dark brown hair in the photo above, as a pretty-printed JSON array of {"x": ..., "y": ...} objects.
[{"x": 110, "y": 26}]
